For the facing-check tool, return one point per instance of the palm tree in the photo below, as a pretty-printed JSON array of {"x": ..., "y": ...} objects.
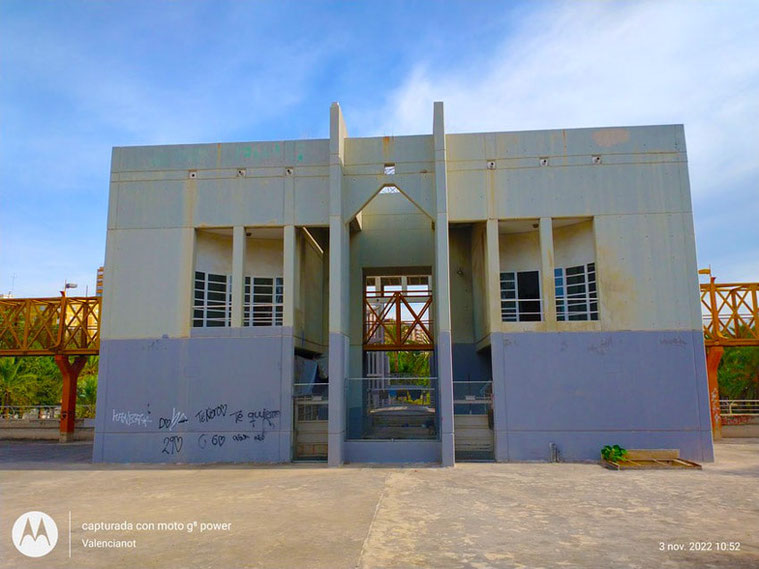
[
  {"x": 15, "y": 388},
  {"x": 87, "y": 392},
  {"x": 91, "y": 367},
  {"x": 739, "y": 373}
]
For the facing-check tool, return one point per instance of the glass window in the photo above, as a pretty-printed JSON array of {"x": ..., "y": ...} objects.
[
  {"x": 212, "y": 300},
  {"x": 520, "y": 297},
  {"x": 576, "y": 294},
  {"x": 263, "y": 301}
]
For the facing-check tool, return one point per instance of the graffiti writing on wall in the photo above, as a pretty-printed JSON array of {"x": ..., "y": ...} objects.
[
  {"x": 132, "y": 418},
  {"x": 177, "y": 418},
  {"x": 211, "y": 413},
  {"x": 172, "y": 444},
  {"x": 261, "y": 420}
]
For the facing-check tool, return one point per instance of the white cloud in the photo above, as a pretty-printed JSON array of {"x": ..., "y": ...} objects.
[{"x": 605, "y": 64}]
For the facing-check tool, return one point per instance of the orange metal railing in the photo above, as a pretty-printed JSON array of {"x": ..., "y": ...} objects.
[
  {"x": 50, "y": 326},
  {"x": 398, "y": 321},
  {"x": 730, "y": 313}
]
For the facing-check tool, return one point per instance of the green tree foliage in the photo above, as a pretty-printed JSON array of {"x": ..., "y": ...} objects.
[
  {"x": 87, "y": 387},
  {"x": 38, "y": 381},
  {"x": 413, "y": 364},
  {"x": 47, "y": 382},
  {"x": 17, "y": 387},
  {"x": 738, "y": 373}
]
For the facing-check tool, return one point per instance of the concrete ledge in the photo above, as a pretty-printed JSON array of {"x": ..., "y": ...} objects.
[
  {"x": 747, "y": 430},
  {"x": 393, "y": 451},
  {"x": 583, "y": 446},
  {"x": 42, "y": 430}
]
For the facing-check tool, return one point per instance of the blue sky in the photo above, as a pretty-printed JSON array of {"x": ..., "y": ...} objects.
[{"x": 77, "y": 78}]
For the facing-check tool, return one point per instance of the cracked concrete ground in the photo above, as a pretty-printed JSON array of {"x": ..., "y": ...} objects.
[{"x": 308, "y": 516}]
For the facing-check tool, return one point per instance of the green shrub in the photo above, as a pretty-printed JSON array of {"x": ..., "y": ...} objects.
[{"x": 613, "y": 453}]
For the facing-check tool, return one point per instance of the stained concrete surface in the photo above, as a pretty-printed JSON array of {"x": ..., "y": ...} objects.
[{"x": 305, "y": 515}]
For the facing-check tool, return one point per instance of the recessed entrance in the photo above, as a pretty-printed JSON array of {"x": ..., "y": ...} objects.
[{"x": 397, "y": 396}]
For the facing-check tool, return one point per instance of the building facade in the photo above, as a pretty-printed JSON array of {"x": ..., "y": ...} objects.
[{"x": 427, "y": 298}]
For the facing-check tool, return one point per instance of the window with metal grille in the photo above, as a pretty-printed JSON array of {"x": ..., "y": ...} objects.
[
  {"x": 520, "y": 297},
  {"x": 263, "y": 302},
  {"x": 576, "y": 294},
  {"x": 212, "y": 304}
]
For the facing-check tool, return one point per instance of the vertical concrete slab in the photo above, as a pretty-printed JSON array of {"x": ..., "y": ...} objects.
[
  {"x": 238, "y": 275},
  {"x": 290, "y": 263},
  {"x": 500, "y": 398},
  {"x": 492, "y": 276},
  {"x": 186, "y": 282},
  {"x": 339, "y": 264},
  {"x": 548, "y": 288},
  {"x": 288, "y": 276},
  {"x": 286, "y": 394},
  {"x": 442, "y": 293}
]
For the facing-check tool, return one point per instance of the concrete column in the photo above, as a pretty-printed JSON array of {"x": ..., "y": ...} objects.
[
  {"x": 290, "y": 263},
  {"x": 493, "y": 287},
  {"x": 290, "y": 266},
  {"x": 547, "y": 265},
  {"x": 493, "y": 276},
  {"x": 238, "y": 275},
  {"x": 185, "y": 286},
  {"x": 441, "y": 291},
  {"x": 339, "y": 264}
]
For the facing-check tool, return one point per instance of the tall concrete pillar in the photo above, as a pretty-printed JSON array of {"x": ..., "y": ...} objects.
[
  {"x": 339, "y": 265},
  {"x": 493, "y": 288},
  {"x": 289, "y": 268},
  {"x": 547, "y": 265},
  {"x": 185, "y": 286},
  {"x": 238, "y": 275},
  {"x": 288, "y": 276},
  {"x": 442, "y": 293}
]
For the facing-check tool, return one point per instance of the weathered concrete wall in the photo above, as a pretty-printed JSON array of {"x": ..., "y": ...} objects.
[
  {"x": 462, "y": 295},
  {"x": 520, "y": 251},
  {"x": 202, "y": 399},
  {"x": 583, "y": 390},
  {"x": 310, "y": 301},
  {"x": 574, "y": 243},
  {"x": 480, "y": 290}
]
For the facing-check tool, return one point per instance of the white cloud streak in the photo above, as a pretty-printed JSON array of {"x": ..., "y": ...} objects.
[{"x": 605, "y": 64}]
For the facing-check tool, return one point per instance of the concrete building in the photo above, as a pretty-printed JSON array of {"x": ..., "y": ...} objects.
[{"x": 412, "y": 298}]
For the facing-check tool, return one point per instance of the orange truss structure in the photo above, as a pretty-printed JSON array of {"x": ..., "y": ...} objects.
[{"x": 731, "y": 318}]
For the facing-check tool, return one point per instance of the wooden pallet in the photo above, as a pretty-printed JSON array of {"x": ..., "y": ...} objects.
[{"x": 651, "y": 459}]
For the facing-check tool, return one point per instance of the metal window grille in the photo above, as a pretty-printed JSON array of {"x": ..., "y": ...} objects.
[
  {"x": 212, "y": 301},
  {"x": 263, "y": 302},
  {"x": 576, "y": 293},
  {"x": 520, "y": 296}
]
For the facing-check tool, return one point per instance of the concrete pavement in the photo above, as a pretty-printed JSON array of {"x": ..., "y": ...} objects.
[{"x": 308, "y": 516}]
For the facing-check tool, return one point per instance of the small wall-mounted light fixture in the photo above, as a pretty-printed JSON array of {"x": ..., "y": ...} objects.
[
  {"x": 596, "y": 159},
  {"x": 543, "y": 161},
  {"x": 491, "y": 164},
  {"x": 241, "y": 172},
  {"x": 460, "y": 272},
  {"x": 193, "y": 174},
  {"x": 389, "y": 169},
  {"x": 289, "y": 171}
]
